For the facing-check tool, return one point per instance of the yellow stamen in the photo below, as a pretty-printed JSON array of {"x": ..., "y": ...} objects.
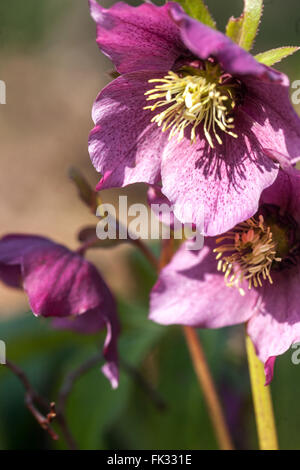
[
  {"x": 252, "y": 251},
  {"x": 192, "y": 99}
]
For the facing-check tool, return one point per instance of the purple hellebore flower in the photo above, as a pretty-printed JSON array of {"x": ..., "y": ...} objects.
[
  {"x": 249, "y": 274},
  {"x": 60, "y": 283},
  {"x": 190, "y": 110}
]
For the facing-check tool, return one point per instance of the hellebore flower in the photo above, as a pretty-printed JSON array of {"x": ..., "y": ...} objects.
[
  {"x": 249, "y": 274},
  {"x": 190, "y": 110},
  {"x": 62, "y": 284}
]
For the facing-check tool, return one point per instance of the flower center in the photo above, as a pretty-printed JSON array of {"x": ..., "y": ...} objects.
[
  {"x": 248, "y": 254},
  {"x": 192, "y": 97}
]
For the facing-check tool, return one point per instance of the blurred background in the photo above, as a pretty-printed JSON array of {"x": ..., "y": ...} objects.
[{"x": 53, "y": 71}]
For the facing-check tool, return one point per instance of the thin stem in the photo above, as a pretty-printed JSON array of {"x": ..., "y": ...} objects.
[
  {"x": 201, "y": 368},
  {"x": 31, "y": 398},
  {"x": 262, "y": 400},
  {"x": 209, "y": 391}
]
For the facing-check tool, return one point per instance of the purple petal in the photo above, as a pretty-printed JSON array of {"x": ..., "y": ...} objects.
[
  {"x": 269, "y": 369},
  {"x": 206, "y": 42},
  {"x": 285, "y": 193},
  {"x": 275, "y": 325},
  {"x": 60, "y": 283},
  {"x": 137, "y": 38},
  {"x": 273, "y": 119},
  {"x": 216, "y": 188},
  {"x": 12, "y": 250},
  {"x": 14, "y": 247},
  {"x": 57, "y": 281},
  {"x": 87, "y": 323},
  {"x": 90, "y": 323},
  {"x": 110, "y": 352},
  {"x": 125, "y": 146},
  {"x": 190, "y": 291}
]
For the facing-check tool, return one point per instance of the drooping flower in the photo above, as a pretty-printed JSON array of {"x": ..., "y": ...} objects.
[
  {"x": 250, "y": 274},
  {"x": 60, "y": 283},
  {"x": 192, "y": 111}
]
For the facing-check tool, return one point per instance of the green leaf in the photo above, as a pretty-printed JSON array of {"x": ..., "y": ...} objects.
[
  {"x": 234, "y": 28},
  {"x": 243, "y": 30},
  {"x": 198, "y": 10},
  {"x": 276, "y": 55}
]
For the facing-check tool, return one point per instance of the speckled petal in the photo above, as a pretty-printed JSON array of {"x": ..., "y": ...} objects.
[
  {"x": 137, "y": 38},
  {"x": 190, "y": 291}
]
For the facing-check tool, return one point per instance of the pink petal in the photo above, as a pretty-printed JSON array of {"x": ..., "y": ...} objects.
[
  {"x": 125, "y": 146},
  {"x": 285, "y": 193},
  {"x": 206, "y": 42},
  {"x": 190, "y": 291},
  {"x": 274, "y": 121},
  {"x": 216, "y": 188},
  {"x": 137, "y": 38},
  {"x": 275, "y": 326}
]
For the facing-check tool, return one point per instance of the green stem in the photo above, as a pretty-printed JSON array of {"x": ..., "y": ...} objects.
[{"x": 265, "y": 422}]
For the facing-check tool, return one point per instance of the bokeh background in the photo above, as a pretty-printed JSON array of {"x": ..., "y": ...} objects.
[{"x": 53, "y": 71}]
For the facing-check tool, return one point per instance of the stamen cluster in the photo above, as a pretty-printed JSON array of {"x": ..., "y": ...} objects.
[
  {"x": 252, "y": 251},
  {"x": 191, "y": 97}
]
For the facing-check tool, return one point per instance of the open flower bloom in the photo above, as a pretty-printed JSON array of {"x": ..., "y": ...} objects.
[
  {"x": 192, "y": 111},
  {"x": 249, "y": 274},
  {"x": 62, "y": 284}
]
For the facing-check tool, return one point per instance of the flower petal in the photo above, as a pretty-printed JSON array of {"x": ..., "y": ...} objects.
[
  {"x": 93, "y": 321},
  {"x": 216, "y": 188},
  {"x": 190, "y": 291},
  {"x": 12, "y": 250},
  {"x": 285, "y": 193},
  {"x": 137, "y": 38},
  {"x": 269, "y": 369},
  {"x": 58, "y": 282},
  {"x": 206, "y": 42},
  {"x": 274, "y": 120},
  {"x": 275, "y": 326},
  {"x": 162, "y": 207},
  {"x": 125, "y": 146}
]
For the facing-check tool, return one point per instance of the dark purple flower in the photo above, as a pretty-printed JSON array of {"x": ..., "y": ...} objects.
[
  {"x": 249, "y": 274},
  {"x": 60, "y": 283},
  {"x": 220, "y": 109}
]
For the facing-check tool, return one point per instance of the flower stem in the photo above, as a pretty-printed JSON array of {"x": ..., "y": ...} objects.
[
  {"x": 201, "y": 367},
  {"x": 209, "y": 391},
  {"x": 262, "y": 399}
]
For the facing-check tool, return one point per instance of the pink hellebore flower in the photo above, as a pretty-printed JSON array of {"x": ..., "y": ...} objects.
[
  {"x": 62, "y": 284},
  {"x": 249, "y": 274},
  {"x": 190, "y": 110}
]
